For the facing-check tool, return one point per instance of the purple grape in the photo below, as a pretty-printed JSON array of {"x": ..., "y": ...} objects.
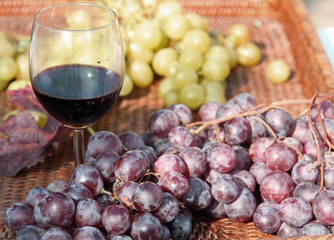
[
  {"x": 278, "y": 156},
  {"x": 145, "y": 226},
  {"x": 210, "y": 175},
  {"x": 225, "y": 188},
  {"x": 257, "y": 128},
  {"x": 88, "y": 233},
  {"x": 302, "y": 131},
  {"x": 169, "y": 208},
  {"x": 168, "y": 162},
  {"x": 294, "y": 143},
  {"x": 106, "y": 163},
  {"x": 207, "y": 111},
  {"x": 257, "y": 148},
  {"x": 329, "y": 178},
  {"x": 243, "y": 159},
  {"x": 287, "y": 231},
  {"x": 245, "y": 100},
  {"x": 57, "y": 186},
  {"x": 131, "y": 140},
  {"x": 162, "y": 121},
  {"x": 304, "y": 171},
  {"x": 311, "y": 148},
  {"x": 88, "y": 176},
  {"x": 56, "y": 233},
  {"x": 180, "y": 138},
  {"x": 131, "y": 166},
  {"x": 116, "y": 219},
  {"x": 271, "y": 204},
  {"x": 88, "y": 213},
  {"x": 314, "y": 229},
  {"x": 147, "y": 197},
  {"x": 306, "y": 190},
  {"x": 237, "y": 131},
  {"x": 198, "y": 196},
  {"x": 216, "y": 209},
  {"x": 125, "y": 192},
  {"x": 182, "y": 111},
  {"x": 259, "y": 170},
  {"x": 227, "y": 110},
  {"x": 118, "y": 237},
  {"x": 277, "y": 186},
  {"x": 281, "y": 122},
  {"x": 243, "y": 207},
  {"x": 162, "y": 146},
  {"x": 30, "y": 232},
  {"x": 151, "y": 155},
  {"x": 79, "y": 192},
  {"x": 329, "y": 126},
  {"x": 267, "y": 220},
  {"x": 323, "y": 207},
  {"x": 246, "y": 178},
  {"x": 165, "y": 233},
  {"x": 58, "y": 209},
  {"x": 19, "y": 215},
  {"x": 295, "y": 211},
  {"x": 174, "y": 183},
  {"x": 195, "y": 161},
  {"x": 180, "y": 227},
  {"x": 34, "y": 195},
  {"x": 103, "y": 141},
  {"x": 221, "y": 158}
]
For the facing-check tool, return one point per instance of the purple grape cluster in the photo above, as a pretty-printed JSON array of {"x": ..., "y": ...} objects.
[{"x": 246, "y": 164}]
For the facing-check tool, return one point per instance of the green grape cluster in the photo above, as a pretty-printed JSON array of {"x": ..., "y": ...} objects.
[{"x": 161, "y": 39}]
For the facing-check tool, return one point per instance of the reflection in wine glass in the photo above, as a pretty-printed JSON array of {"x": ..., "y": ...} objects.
[{"x": 76, "y": 65}]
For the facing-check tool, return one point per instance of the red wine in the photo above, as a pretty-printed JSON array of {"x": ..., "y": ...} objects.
[{"x": 77, "y": 95}]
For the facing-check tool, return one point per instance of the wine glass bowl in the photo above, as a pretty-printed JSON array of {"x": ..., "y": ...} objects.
[{"x": 76, "y": 64}]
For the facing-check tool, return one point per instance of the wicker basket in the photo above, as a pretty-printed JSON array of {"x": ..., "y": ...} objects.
[{"x": 282, "y": 29}]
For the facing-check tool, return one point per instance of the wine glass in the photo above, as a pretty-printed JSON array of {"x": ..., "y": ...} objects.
[{"x": 76, "y": 65}]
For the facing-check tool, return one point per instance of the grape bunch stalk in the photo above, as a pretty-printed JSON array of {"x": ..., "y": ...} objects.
[{"x": 242, "y": 160}]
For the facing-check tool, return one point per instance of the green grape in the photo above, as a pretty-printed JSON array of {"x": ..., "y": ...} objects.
[
  {"x": 150, "y": 6},
  {"x": 192, "y": 59},
  {"x": 172, "y": 67},
  {"x": 164, "y": 86},
  {"x": 83, "y": 40},
  {"x": 214, "y": 86},
  {"x": 78, "y": 19},
  {"x": 8, "y": 69},
  {"x": 58, "y": 49},
  {"x": 233, "y": 57},
  {"x": 171, "y": 97},
  {"x": 215, "y": 71},
  {"x": 218, "y": 53},
  {"x": 214, "y": 91},
  {"x": 127, "y": 86},
  {"x": 148, "y": 34},
  {"x": 18, "y": 84},
  {"x": 278, "y": 71},
  {"x": 139, "y": 52},
  {"x": 168, "y": 8},
  {"x": 162, "y": 59},
  {"x": 197, "y": 21},
  {"x": 6, "y": 47},
  {"x": 183, "y": 76},
  {"x": 241, "y": 32},
  {"x": 248, "y": 54},
  {"x": 175, "y": 26},
  {"x": 141, "y": 73},
  {"x": 23, "y": 67},
  {"x": 164, "y": 43},
  {"x": 196, "y": 39},
  {"x": 192, "y": 95}
]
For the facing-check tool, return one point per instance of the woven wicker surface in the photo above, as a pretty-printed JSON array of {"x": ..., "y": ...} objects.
[{"x": 285, "y": 31}]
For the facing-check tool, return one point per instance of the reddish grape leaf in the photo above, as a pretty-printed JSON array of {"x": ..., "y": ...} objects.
[{"x": 22, "y": 142}]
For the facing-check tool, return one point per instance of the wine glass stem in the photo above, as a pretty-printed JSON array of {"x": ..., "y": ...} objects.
[{"x": 78, "y": 142}]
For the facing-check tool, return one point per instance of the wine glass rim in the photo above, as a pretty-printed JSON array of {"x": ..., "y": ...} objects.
[{"x": 74, "y": 4}]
